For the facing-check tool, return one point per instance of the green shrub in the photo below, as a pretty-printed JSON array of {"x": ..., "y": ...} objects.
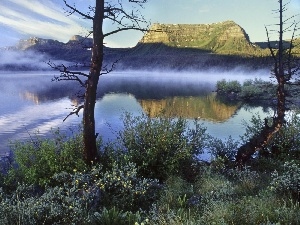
[
  {"x": 56, "y": 205},
  {"x": 38, "y": 160},
  {"x": 224, "y": 149},
  {"x": 81, "y": 198},
  {"x": 253, "y": 128},
  {"x": 284, "y": 145},
  {"x": 161, "y": 147},
  {"x": 246, "y": 181},
  {"x": 123, "y": 188},
  {"x": 228, "y": 87},
  {"x": 287, "y": 182},
  {"x": 257, "y": 89},
  {"x": 214, "y": 187}
]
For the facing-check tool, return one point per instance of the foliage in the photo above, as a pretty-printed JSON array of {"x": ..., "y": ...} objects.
[
  {"x": 257, "y": 89},
  {"x": 81, "y": 198},
  {"x": 38, "y": 160},
  {"x": 56, "y": 205},
  {"x": 223, "y": 149},
  {"x": 252, "y": 128},
  {"x": 117, "y": 192},
  {"x": 284, "y": 144},
  {"x": 222, "y": 199},
  {"x": 259, "y": 209},
  {"x": 247, "y": 181},
  {"x": 161, "y": 147},
  {"x": 114, "y": 216},
  {"x": 228, "y": 87},
  {"x": 123, "y": 188},
  {"x": 288, "y": 181}
]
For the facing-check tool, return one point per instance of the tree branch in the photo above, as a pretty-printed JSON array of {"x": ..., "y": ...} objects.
[
  {"x": 123, "y": 29},
  {"x": 75, "y": 10},
  {"x": 66, "y": 74},
  {"x": 75, "y": 111}
]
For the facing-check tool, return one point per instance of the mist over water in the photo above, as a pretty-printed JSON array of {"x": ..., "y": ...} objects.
[
  {"x": 28, "y": 60},
  {"x": 30, "y": 102}
]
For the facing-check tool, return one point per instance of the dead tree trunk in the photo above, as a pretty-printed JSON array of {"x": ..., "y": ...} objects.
[{"x": 259, "y": 141}]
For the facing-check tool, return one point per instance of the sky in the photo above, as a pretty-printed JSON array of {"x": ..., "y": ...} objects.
[{"x": 22, "y": 19}]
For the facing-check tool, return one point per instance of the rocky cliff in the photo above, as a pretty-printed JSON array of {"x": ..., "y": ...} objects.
[{"x": 224, "y": 37}]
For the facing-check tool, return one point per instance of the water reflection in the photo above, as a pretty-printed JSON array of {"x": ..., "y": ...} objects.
[
  {"x": 30, "y": 102},
  {"x": 206, "y": 107}
]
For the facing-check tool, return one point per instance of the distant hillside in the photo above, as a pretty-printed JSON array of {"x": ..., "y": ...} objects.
[{"x": 222, "y": 38}]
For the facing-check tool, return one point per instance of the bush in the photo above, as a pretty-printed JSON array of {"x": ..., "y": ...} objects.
[
  {"x": 284, "y": 145},
  {"x": 56, "y": 205},
  {"x": 228, "y": 87},
  {"x": 123, "y": 188},
  {"x": 81, "y": 198},
  {"x": 38, "y": 160},
  {"x": 257, "y": 89},
  {"x": 287, "y": 182},
  {"x": 161, "y": 147},
  {"x": 223, "y": 149}
]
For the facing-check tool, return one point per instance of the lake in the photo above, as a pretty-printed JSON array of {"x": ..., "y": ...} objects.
[{"x": 31, "y": 103}]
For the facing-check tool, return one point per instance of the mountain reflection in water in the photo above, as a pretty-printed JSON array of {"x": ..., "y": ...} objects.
[
  {"x": 30, "y": 102},
  {"x": 206, "y": 107}
]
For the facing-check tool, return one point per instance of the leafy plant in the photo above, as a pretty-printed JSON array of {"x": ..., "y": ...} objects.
[
  {"x": 287, "y": 182},
  {"x": 224, "y": 149},
  {"x": 161, "y": 147},
  {"x": 38, "y": 160},
  {"x": 228, "y": 87}
]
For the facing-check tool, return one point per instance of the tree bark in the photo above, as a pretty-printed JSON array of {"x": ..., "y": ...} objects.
[
  {"x": 256, "y": 143},
  {"x": 89, "y": 134}
]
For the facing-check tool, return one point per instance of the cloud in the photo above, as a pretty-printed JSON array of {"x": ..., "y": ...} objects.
[{"x": 41, "y": 18}]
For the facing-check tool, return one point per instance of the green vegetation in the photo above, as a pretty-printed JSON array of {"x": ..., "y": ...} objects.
[
  {"x": 151, "y": 175},
  {"x": 256, "y": 89}
]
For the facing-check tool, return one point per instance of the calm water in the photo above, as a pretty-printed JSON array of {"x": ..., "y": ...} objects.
[{"x": 31, "y": 103}]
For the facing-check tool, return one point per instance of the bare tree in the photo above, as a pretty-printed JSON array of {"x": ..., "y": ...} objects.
[
  {"x": 116, "y": 12},
  {"x": 285, "y": 69}
]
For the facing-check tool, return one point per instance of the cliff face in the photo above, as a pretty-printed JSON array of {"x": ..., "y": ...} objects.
[
  {"x": 77, "y": 49},
  {"x": 25, "y": 44},
  {"x": 224, "y": 37}
]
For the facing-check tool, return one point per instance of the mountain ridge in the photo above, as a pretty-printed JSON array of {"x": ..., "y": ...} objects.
[
  {"x": 223, "y": 38},
  {"x": 173, "y": 46}
]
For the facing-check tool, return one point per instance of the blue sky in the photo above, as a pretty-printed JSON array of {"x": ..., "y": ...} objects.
[{"x": 47, "y": 18}]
